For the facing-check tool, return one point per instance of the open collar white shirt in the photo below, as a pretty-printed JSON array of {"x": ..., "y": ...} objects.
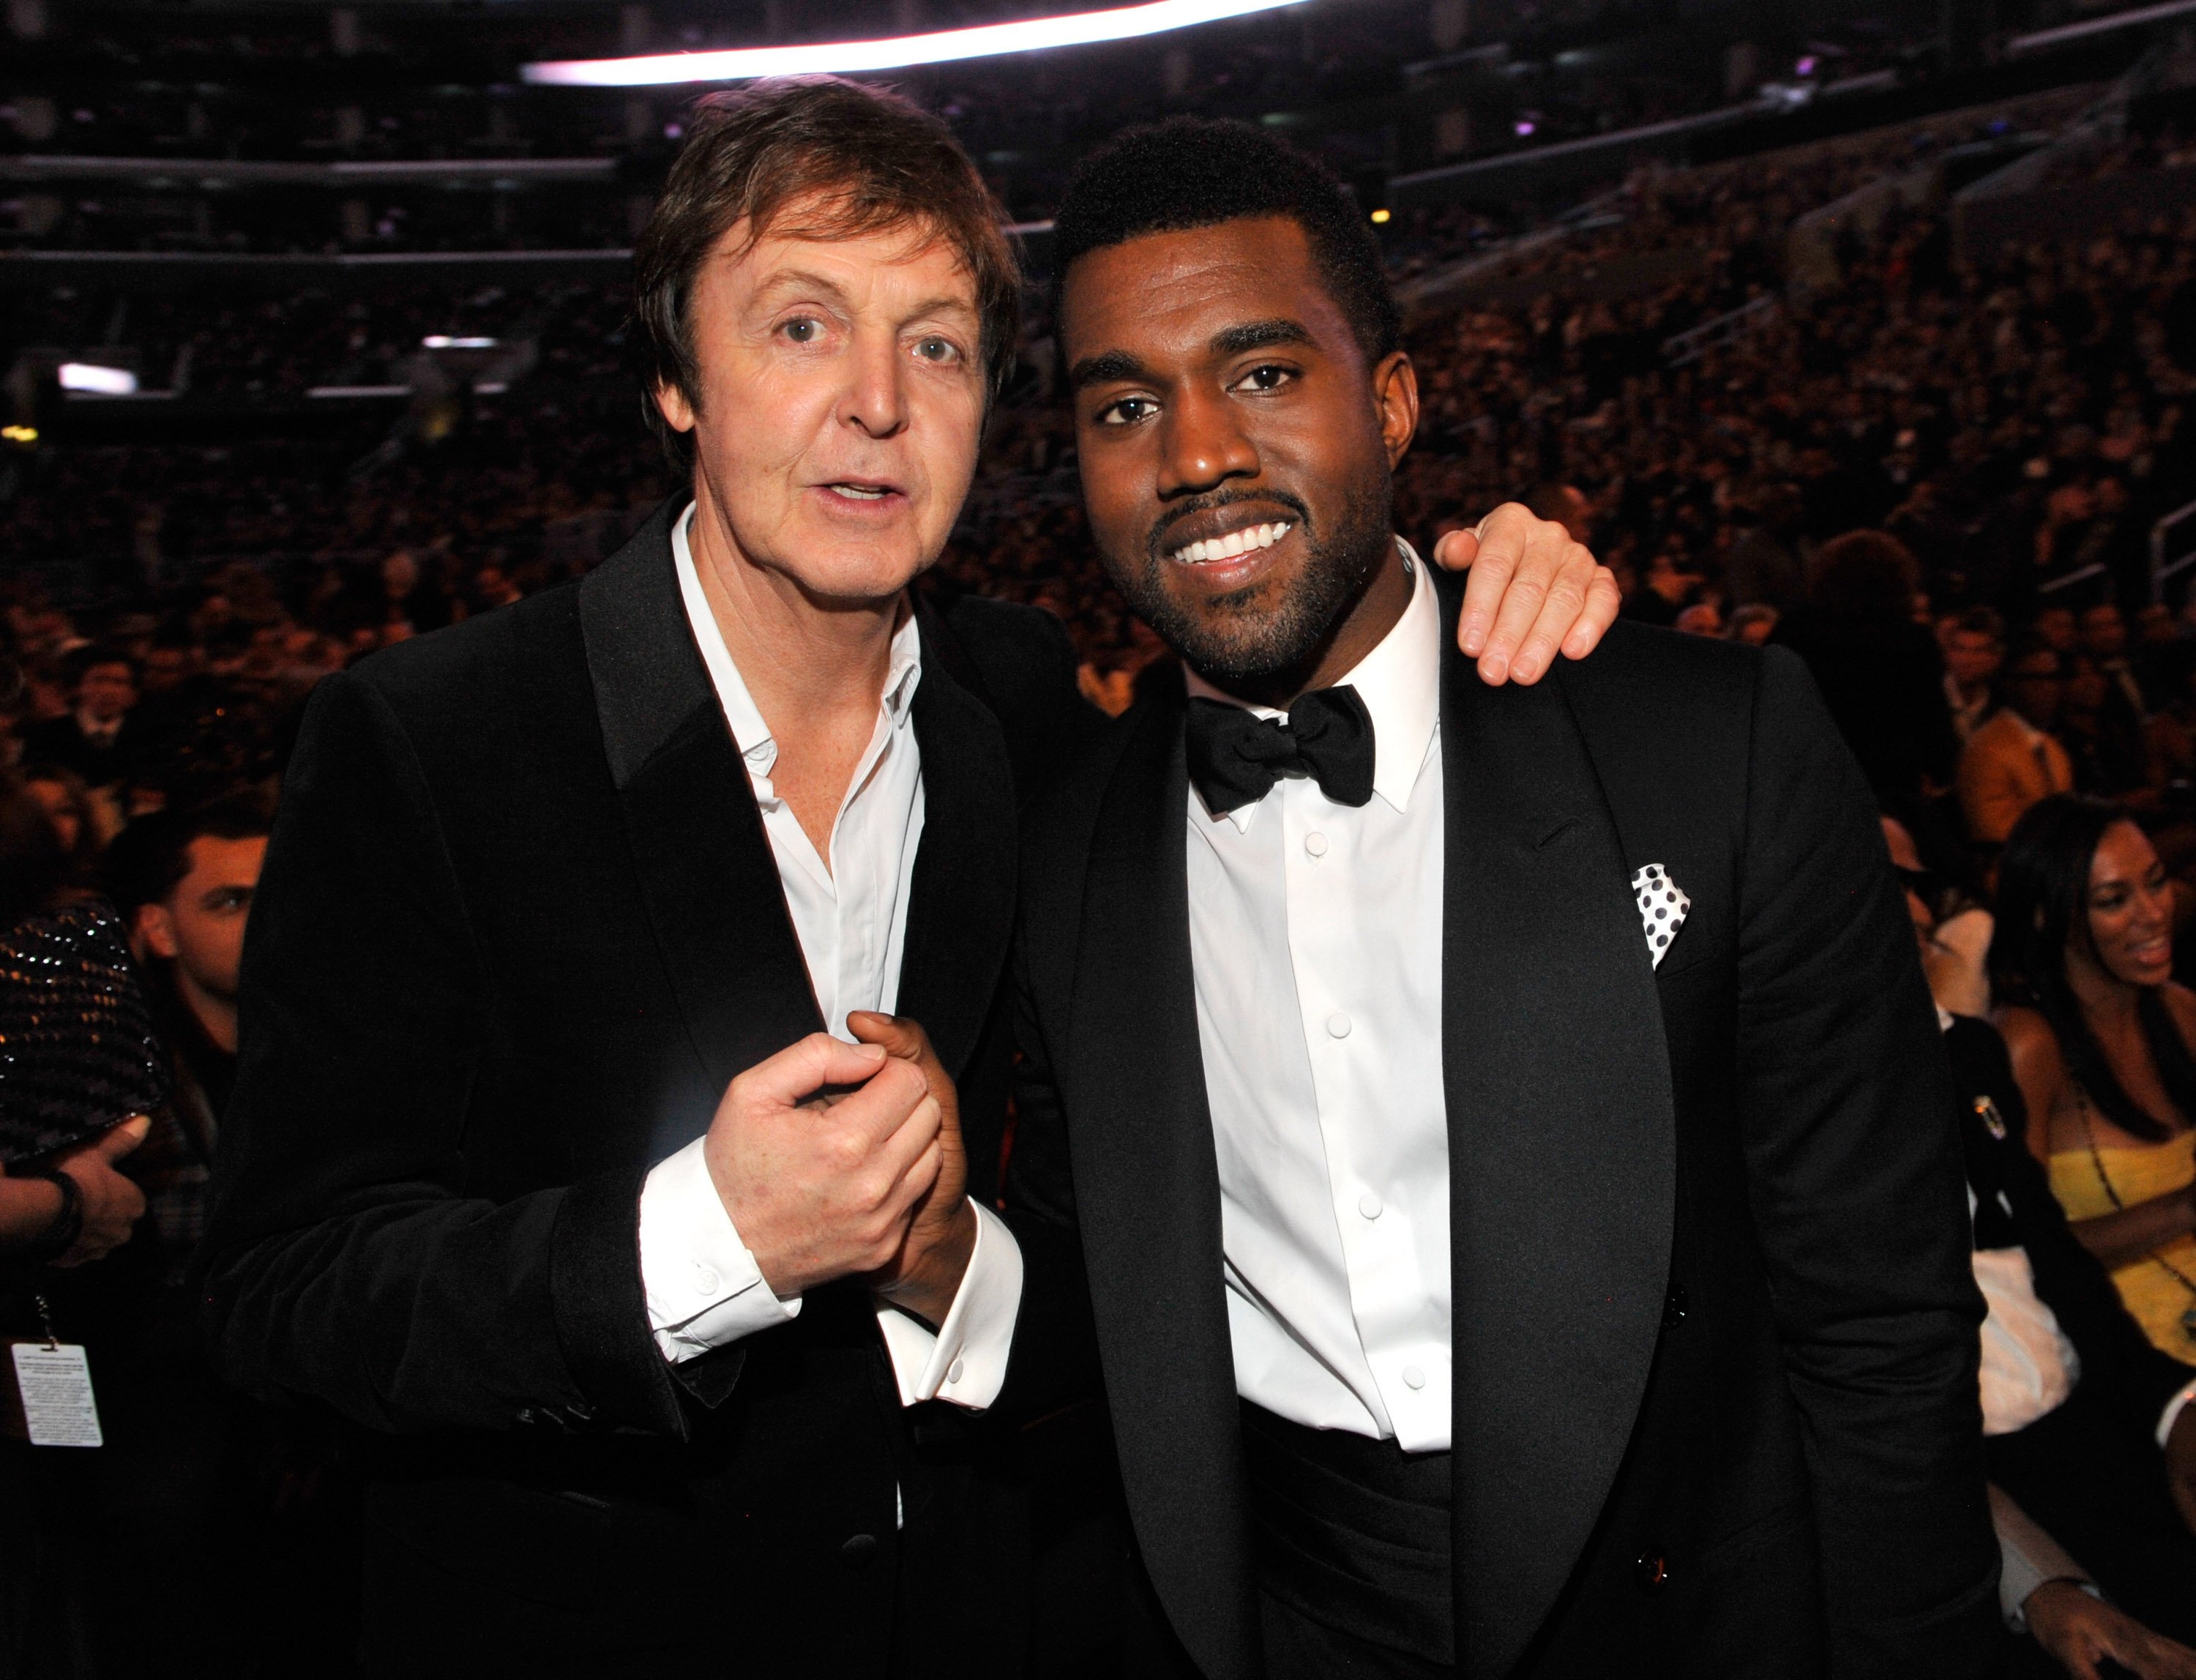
[
  {"x": 1315, "y": 939},
  {"x": 703, "y": 1287}
]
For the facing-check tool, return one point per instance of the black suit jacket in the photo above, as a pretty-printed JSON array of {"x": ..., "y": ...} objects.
[
  {"x": 2122, "y": 1371},
  {"x": 1715, "y": 1364},
  {"x": 519, "y": 927}
]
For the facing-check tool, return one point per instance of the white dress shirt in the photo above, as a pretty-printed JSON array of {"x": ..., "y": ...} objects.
[
  {"x": 1316, "y": 939},
  {"x": 703, "y": 1287}
]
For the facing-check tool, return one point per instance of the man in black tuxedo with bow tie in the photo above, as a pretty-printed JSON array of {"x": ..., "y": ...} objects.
[{"x": 1499, "y": 1135}]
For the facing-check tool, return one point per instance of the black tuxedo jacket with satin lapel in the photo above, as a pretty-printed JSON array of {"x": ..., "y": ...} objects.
[
  {"x": 519, "y": 927},
  {"x": 2121, "y": 1366},
  {"x": 1716, "y": 1353}
]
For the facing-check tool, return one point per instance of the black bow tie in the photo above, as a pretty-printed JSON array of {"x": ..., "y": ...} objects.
[{"x": 1236, "y": 757}]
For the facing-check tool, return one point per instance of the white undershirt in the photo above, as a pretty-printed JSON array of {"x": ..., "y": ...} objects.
[{"x": 703, "y": 1287}]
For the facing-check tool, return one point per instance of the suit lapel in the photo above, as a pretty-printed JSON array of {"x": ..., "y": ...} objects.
[
  {"x": 1561, "y": 1150},
  {"x": 960, "y": 911},
  {"x": 1147, "y": 1192},
  {"x": 706, "y": 870}
]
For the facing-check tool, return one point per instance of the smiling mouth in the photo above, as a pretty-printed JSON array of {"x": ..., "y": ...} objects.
[
  {"x": 862, "y": 493},
  {"x": 1227, "y": 547}
]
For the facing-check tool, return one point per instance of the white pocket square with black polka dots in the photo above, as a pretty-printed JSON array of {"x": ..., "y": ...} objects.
[{"x": 1662, "y": 907}]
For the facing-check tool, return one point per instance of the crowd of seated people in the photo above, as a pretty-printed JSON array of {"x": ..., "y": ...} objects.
[{"x": 1934, "y": 485}]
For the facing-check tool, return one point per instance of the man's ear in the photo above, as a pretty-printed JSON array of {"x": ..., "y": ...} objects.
[
  {"x": 154, "y": 932},
  {"x": 671, "y": 403},
  {"x": 1395, "y": 391}
]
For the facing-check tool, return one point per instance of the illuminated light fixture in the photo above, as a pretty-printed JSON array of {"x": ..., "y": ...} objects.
[
  {"x": 1379, "y": 216},
  {"x": 443, "y": 341},
  {"x": 19, "y": 434},
  {"x": 87, "y": 376},
  {"x": 738, "y": 64}
]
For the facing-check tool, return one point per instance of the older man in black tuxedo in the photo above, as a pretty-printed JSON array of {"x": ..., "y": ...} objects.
[{"x": 1500, "y": 1134}]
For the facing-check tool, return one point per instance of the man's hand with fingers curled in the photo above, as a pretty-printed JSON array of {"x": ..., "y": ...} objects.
[
  {"x": 821, "y": 1155},
  {"x": 925, "y": 1275},
  {"x": 1531, "y": 593},
  {"x": 2082, "y": 1631}
]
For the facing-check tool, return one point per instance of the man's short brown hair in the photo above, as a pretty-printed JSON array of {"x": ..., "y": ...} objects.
[{"x": 854, "y": 161}]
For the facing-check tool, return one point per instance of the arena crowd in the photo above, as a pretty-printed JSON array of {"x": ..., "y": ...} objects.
[{"x": 1934, "y": 480}]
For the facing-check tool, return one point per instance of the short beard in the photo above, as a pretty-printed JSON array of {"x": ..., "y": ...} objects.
[{"x": 1245, "y": 648}]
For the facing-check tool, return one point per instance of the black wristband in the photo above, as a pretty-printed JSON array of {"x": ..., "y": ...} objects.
[{"x": 68, "y": 1224}]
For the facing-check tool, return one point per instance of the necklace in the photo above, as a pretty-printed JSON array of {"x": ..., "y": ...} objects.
[{"x": 2112, "y": 1195}]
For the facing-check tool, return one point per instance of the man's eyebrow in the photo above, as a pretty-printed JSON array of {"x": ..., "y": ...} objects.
[
  {"x": 800, "y": 279},
  {"x": 1106, "y": 365},
  {"x": 1260, "y": 335}
]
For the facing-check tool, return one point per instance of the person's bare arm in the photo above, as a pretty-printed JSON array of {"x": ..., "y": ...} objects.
[{"x": 2038, "y": 1069}]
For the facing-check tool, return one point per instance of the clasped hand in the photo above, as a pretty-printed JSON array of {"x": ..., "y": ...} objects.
[{"x": 841, "y": 1160}]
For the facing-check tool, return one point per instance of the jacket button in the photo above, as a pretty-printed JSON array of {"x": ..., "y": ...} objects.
[
  {"x": 1675, "y": 1305},
  {"x": 1652, "y": 1571},
  {"x": 857, "y": 1551}
]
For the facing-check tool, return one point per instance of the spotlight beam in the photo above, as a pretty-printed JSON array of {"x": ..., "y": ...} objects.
[{"x": 737, "y": 64}]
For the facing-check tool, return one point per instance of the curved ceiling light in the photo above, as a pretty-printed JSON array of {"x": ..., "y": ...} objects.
[{"x": 1076, "y": 29}]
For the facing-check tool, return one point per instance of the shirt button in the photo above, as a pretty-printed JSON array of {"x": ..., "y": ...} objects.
[
  {"x": 1413, "y": 1377},
  {"x": 1369, "y": 1205},
  {"x": 953, "y": 1371},
  {"x": 1338, "y": 1025},
  {"x": 706, "y": 1279},
  {"x": 1315, "y": 845}
]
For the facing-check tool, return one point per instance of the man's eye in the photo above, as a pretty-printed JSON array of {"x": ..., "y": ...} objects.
[
  {"x": 1266, "y": 379},
  {"x": 1126, "y": 412},
  {"x": 939, "y": 350},
  {"x": 802, "y": 330}
]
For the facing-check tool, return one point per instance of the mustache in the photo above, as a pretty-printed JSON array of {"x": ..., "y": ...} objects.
[{"x": 1155, "y": 544}]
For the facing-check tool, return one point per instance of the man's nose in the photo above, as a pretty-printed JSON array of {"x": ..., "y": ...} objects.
[
  {"x": 874, "y": 398},
  {"x": 1203, "y": 445}
]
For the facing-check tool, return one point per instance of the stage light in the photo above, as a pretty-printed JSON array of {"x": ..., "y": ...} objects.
[
  {"x": 737, "y": 64},
  {"x": 19, "y": 434},
  {"x": 443, "y": 341},
  {"x": 85, "y": 376},
  {"x": 1379, "y": 216}
]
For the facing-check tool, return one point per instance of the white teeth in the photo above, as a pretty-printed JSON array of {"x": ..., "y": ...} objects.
[
  {"x": 1234, "y": 543},
  {"x": 862, "y": 492}
]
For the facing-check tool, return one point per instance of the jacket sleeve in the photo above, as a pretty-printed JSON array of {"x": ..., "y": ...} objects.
[
  {"x": 1855, "y": 1170},
  {"x": 350, "y": 1257},
  {"x": 1054, "y": 1363}
]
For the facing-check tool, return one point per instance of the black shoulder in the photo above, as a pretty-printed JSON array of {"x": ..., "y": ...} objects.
[
  {"x": 1019, "y": 662},
  {"x": 519, "y": 667},
  {"x": 1022, "y": 654},
  {"x": 1980, "y": 1060}
]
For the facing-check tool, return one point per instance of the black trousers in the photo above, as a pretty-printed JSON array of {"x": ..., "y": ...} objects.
[
  {"x": 2092, "y": 1474},
  {"x": 1355, "y": 1551}
]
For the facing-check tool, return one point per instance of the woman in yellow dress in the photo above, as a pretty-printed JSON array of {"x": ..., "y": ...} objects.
[{"x": 2081, "y": 961}]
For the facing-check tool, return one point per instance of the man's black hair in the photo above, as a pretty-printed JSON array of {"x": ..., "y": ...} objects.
[
  {"x": 1195, "y": 172},
  {"x": 149, "y": 858}
]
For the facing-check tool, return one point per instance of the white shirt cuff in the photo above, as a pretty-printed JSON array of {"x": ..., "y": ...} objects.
[
  {"x": 704, "y": 1290},
  {"x": 2172, "y": 1413},
  {"x": 965, "y": 1361}
]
